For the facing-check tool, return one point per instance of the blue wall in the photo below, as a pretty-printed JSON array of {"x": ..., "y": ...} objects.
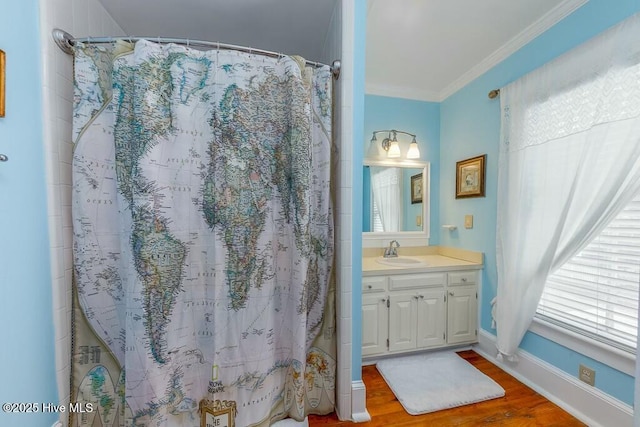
[
  {"x": 366, "y": 200},
  {"x": 417, "y": 117},
  {"x": 470, "y": 125},
  {"x": 27, "y": 355}
]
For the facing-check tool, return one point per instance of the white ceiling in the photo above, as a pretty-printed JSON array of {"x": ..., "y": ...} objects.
[
  {"x": 287, "y": 26},
  {"x": 428, "y": 49},
  {"x": 417, "y": 49}
]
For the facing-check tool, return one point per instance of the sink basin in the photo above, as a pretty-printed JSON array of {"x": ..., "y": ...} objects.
[{"x": 401, "y": 261}]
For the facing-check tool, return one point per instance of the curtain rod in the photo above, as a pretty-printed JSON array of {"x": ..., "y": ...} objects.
[{"x": 66, "y": 41}]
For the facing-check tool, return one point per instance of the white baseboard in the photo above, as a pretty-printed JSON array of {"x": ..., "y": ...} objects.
[
  {"x": 359, "y": 412},
  {"x": 589, "y": 404}
]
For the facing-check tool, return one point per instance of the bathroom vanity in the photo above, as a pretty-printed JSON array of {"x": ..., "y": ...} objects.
[
  {"x": 413, "y": 297},
  {"x": 425, "y": 298}
]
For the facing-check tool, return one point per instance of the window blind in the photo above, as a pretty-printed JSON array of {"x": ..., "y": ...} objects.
[
  {"x": 376, "y": 221},
  {"x": 596, "y": 292}
]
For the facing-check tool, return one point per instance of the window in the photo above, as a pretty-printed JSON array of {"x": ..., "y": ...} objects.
[{"x": 596, "y": 293}]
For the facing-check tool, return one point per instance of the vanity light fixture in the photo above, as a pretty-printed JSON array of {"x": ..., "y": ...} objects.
[{"x": 391, "y": 146}]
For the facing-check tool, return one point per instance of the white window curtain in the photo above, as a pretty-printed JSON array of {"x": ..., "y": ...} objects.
[
  {"x": 386, "y": 186},
  {"x": 568, "y": 163}
]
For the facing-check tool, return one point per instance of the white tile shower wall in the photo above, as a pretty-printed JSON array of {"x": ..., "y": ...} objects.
[
  {"x": 331, "y": 51},
  {"x": 339, "y": 45},
  {"x": 346, "y": 170},
  {"x": 81, "y": 18}
]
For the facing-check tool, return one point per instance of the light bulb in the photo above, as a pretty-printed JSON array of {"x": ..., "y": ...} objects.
[
  {"x": 394, "y": 150},
  {"x": 414, "y": 151},
  {"x": 374, "y": 150}
]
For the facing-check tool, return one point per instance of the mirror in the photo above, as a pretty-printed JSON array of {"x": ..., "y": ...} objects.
[{"x": 395, "y": 198}]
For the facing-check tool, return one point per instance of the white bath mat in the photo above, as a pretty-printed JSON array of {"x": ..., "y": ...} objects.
[
  {"x": 288, "y": 422},
  {"x": 434, "y": 381}
]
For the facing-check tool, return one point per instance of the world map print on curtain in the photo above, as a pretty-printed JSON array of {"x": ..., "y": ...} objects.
[{"x": 203, "y": 237}]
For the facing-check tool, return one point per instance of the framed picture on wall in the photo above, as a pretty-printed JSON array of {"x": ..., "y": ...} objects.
[
  {"x": 416, "y": 189},
  {"x": 470, "y": 175}
]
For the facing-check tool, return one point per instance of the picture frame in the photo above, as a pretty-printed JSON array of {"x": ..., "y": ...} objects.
[
  {"x": 470, "y": 177},
  {"x": 416, "y": 188},
  {"x": 2, "y": 80}
]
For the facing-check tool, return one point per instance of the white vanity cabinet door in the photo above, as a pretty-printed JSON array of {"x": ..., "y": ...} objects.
[
  {"x": 375, "y": 324},
  {"x": 431, "y": 318},
  {"x": 462, "y": 305},
  {"x": 403, "y": 318}
]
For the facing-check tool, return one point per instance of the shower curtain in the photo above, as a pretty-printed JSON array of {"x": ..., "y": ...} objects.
[{"x": 203, "y": 237}]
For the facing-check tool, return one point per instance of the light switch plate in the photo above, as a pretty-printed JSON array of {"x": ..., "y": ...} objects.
[
  {"x": 419, "y": 220},
  {"x": 468, "y": 221}
]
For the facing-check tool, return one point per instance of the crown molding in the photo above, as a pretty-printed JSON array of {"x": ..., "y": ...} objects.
[
  {"x": 547, "y": 21},
  {"x": 402, "y": 92}
]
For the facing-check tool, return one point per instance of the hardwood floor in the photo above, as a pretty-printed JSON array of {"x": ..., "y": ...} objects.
[{"x": 521, "y": 406}]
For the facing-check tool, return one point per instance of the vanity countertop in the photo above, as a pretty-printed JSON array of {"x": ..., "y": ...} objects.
[{"x": 433, "y": 259}]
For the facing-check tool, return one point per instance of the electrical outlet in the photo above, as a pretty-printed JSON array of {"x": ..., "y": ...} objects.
[
  {"x": 468, "y": 221},
  {"x": 587, "y": 375}
]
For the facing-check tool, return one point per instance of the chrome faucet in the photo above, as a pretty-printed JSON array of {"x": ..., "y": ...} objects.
[{"x": 392, "y": 250}]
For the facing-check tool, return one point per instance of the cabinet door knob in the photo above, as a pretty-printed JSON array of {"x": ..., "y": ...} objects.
[
  {"x": 464, "y": 279},
  {"x": 369, "y": 286},
  {"x": 450, "y": 293},
  {"x": 383, "y": 300},
  {"x": 421, "y": 296}
]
